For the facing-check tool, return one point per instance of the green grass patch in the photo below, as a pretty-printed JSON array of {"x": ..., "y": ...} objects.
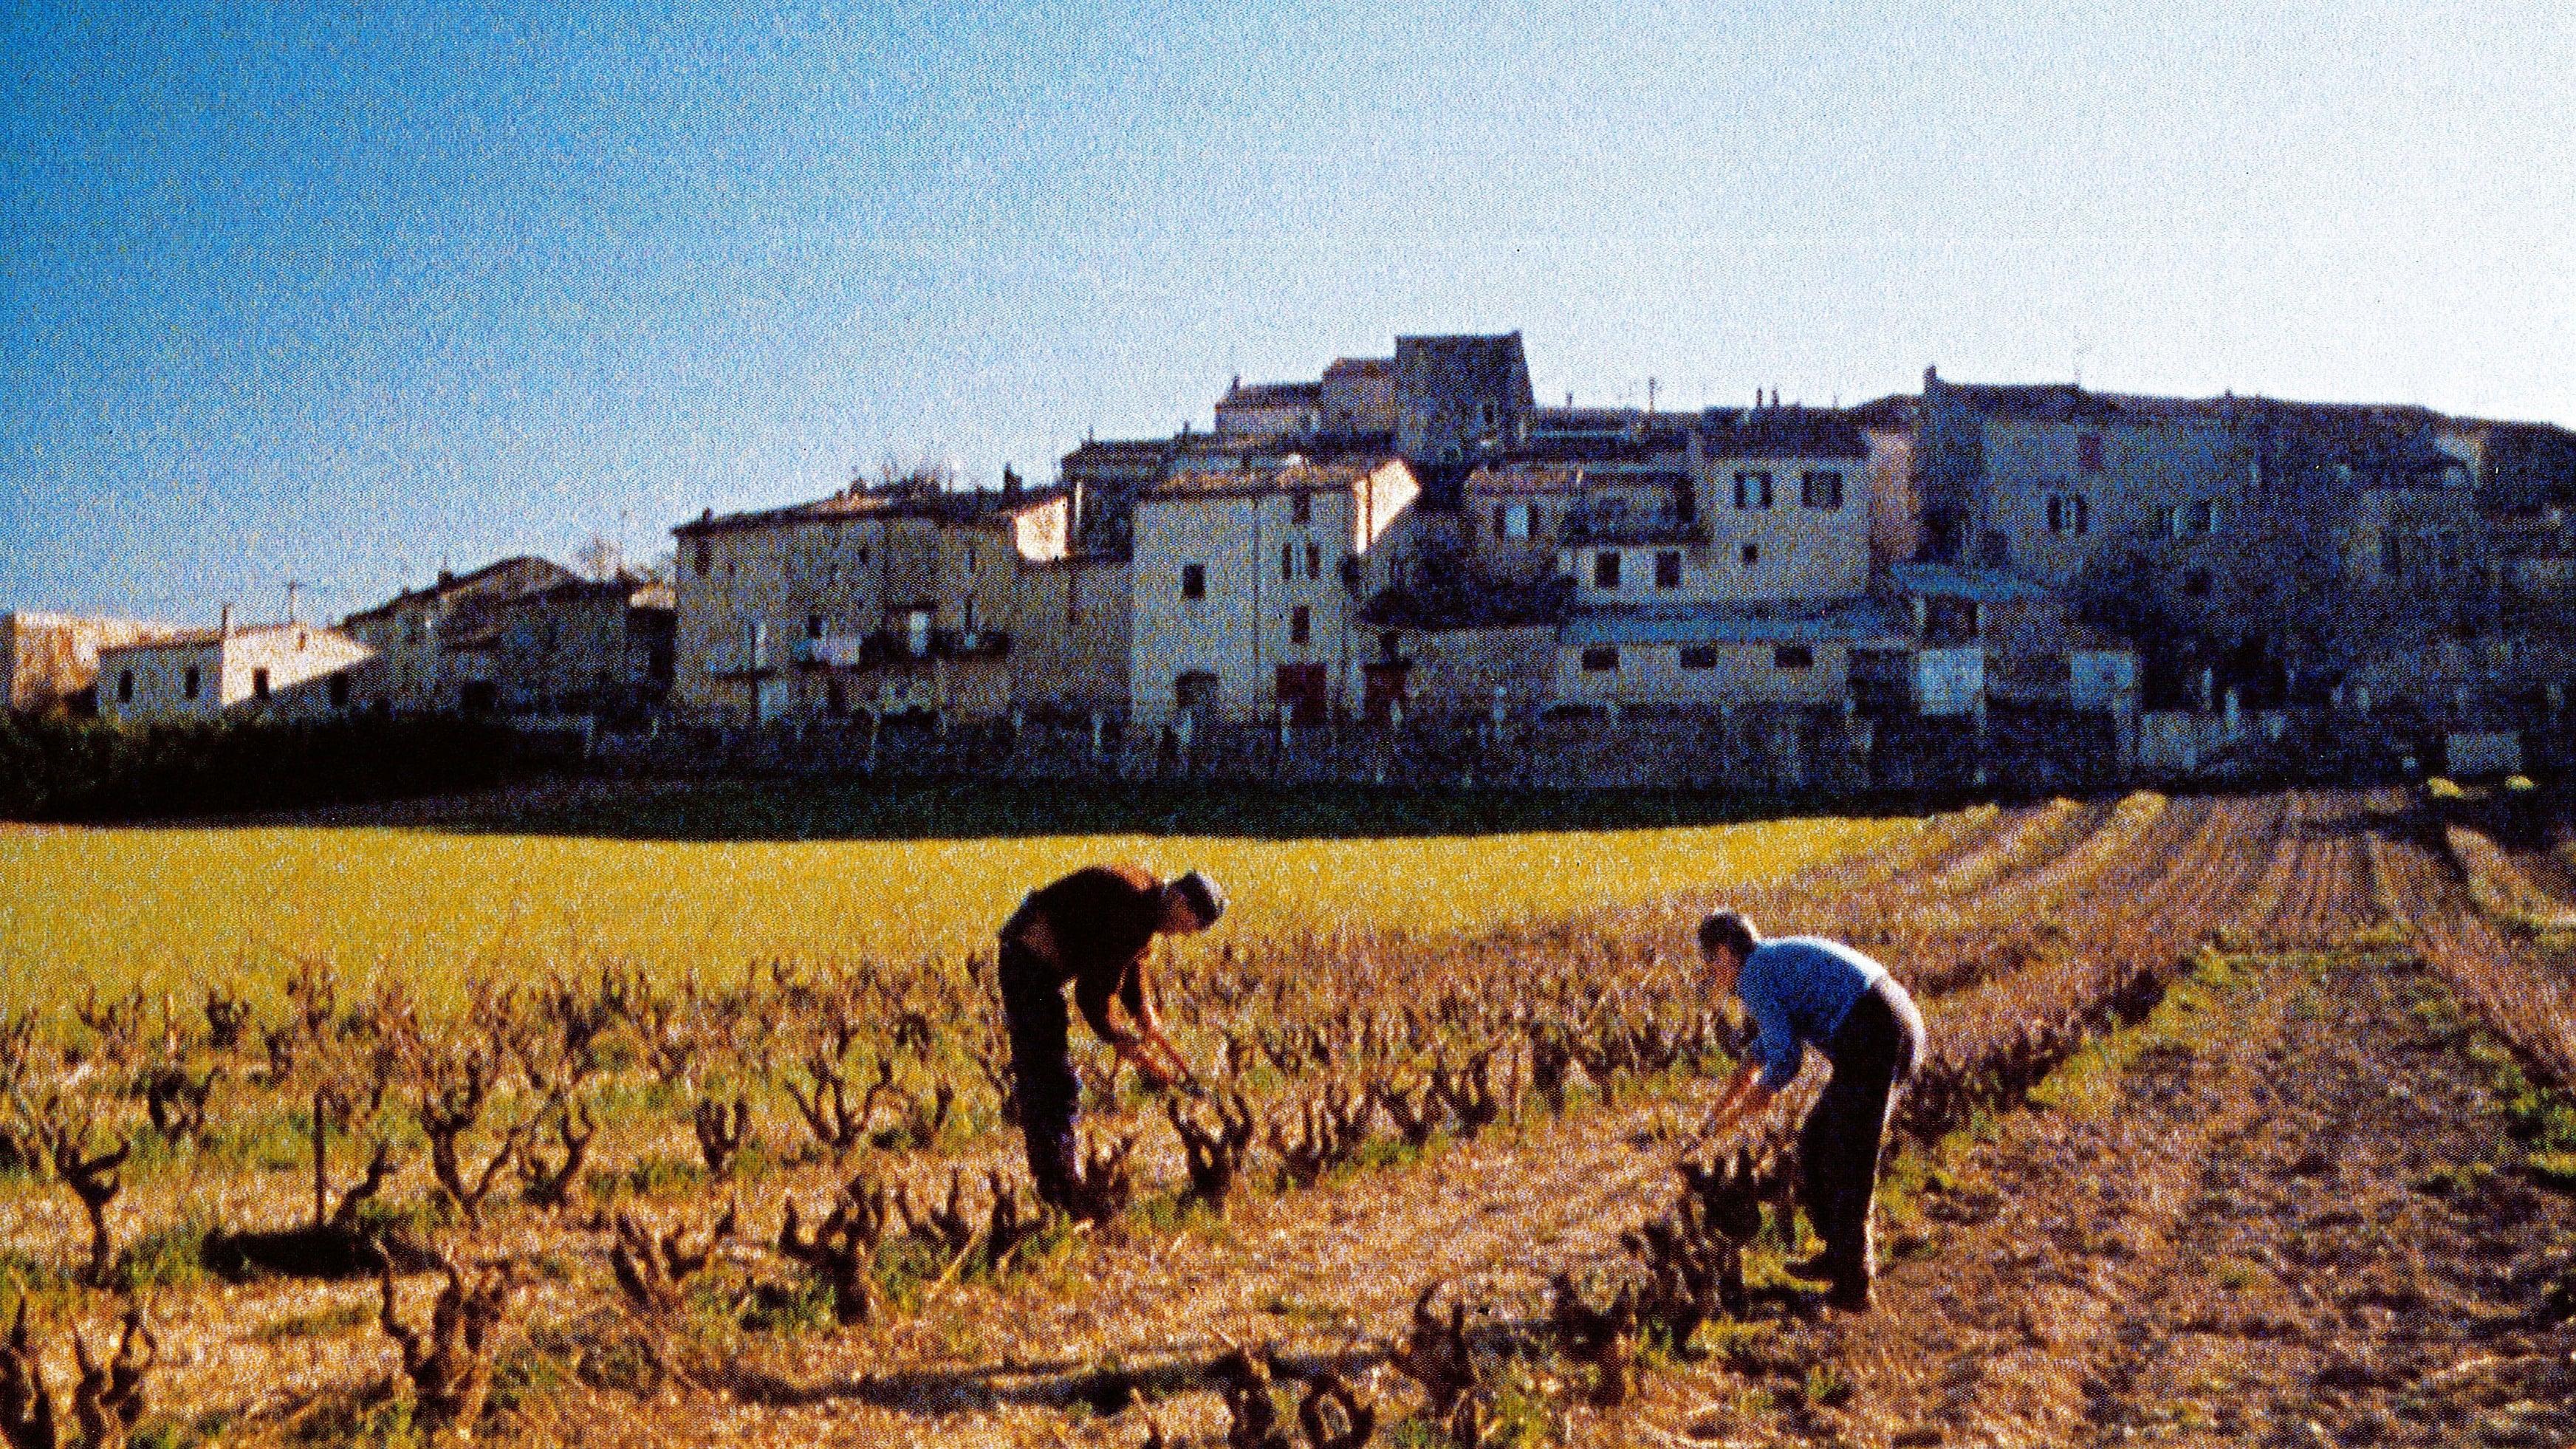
[
  {"x": 166, "y": 1257},
  {"x": 797, "y": 1308},
  {"x": 657, "y": 1176},
  {"x": 323, "y": 1322}
]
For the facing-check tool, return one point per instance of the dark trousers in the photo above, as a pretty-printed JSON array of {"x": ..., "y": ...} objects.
[
  {"x": 1049, "y": 1093},
  {"x": 1873, "y": 1053}
]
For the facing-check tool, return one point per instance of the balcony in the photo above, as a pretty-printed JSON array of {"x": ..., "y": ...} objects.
[
  {"x": 1628, "y": 526},
  {"x": 896, "y": 648}
]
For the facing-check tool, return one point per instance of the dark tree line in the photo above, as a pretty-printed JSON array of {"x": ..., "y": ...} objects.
[{"x": 57, "y": 769}]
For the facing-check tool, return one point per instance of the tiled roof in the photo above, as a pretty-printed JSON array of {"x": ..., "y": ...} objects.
[
  {"x": 480, "y": 581},
  {"x": 1343, "y": 367},
  {"x": 1121, "y": 448},
  {"x": 1246, "y": 482},
  {"x": 625, "y": 589},
  {"x": 199, "y": 638},
  {"x": 1849, "y": 621},
  {"x": 1790, "y": 432},
  {"x": 1273, "y": 395},
  {"x": 1949, "y": 581},
  {"x": 1512, "y": 479},
  {"x": 1896, "y": 410},
  {"x": 957, "y": 506}
]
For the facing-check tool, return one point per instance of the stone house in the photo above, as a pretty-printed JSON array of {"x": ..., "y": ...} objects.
[
  {"x": 1761, "y": 505},
  {"x": 886, "y": 601},
  {"x": 2520, "y": 470},
  {"x": 261, "y": 672},
  {"x": 1358, "y": 397},
  {"x": 1102, "y": 479},
  {"x": 595, "y": 647},
  {"x": 432, "y": 647},
  {"x": 1517, "y": 512},
  {"x": 2043, "y": 479},
  {"x": 2250, "y": 545},
  {"x": 49, "y": 662},
  {"x": 1270, "y": 410},
  {"x": 1459, "y": 398},
  {"x": 1889, "y": 427},
  {"x": 1784, "y": 654},
  {"x": 1247, "y": 587}
]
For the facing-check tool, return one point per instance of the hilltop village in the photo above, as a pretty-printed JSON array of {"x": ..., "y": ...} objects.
[{"x": 1409, "y": 562}]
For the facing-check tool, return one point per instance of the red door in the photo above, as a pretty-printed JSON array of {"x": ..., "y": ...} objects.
[
  {"x": 1385, "y": 685},
  {"x": 1302, "y": 689}
]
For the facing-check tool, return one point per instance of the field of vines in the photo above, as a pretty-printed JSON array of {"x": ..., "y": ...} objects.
[{"x": 1446, "y": 1187}]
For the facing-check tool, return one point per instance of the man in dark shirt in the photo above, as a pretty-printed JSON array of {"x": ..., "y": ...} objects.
[
  {"x": 1804, "y": 991},
  {"x": 1092, "y": 929}
]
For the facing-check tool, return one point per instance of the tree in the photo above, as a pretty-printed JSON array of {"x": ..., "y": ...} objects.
[{"x": 601, "y": 559}]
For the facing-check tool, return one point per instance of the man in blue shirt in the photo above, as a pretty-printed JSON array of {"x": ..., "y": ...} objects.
[{"x": 1803, "y": 991}]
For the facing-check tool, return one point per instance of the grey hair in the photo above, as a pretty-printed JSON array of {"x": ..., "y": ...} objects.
[{"x": 1728, "y": 929}]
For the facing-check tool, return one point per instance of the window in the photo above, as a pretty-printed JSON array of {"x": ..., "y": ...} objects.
[
  {"x": 1301, "y": 624},
  {"x": 1499, "y": 527},
  {"x": 2069, "y": 513},
  {"x": 2196, "y": 583},
  {"x": 2083, "y": 514},
  {"x": 1314, "y": 560},
  {"x": 1821, "y": 490},
  {"x": 259, "y": 685},
  {"x": 1605, "y": 569},
  {"x": 2392, "y": 556},
  {"x": 1601, "y": 661},
  {"x": 1750, "y": 554},
  {"x": 1513, "y": 521},
  {"x": 1193, "y": 581},
  {"x": 1668, "y": 570},
  {"x": 191, "y": 683},
  {"x": 1699, "y": 656},
  {"x": 125, "y": 686},
  {"x": 2169, "y": 521},
  {"x": 1301, "y": 508},
  {"x": 2204, "y": 517},
  {"x": 1485, "y": 414},
  {"x": 1287, "y": 561},
  {"x": 339, "y": 691},
  {"x": 2088, "y": 452},
  {"x": 705, "y": 559},
  {"x": 813, "y": 626},
  {"x": 1793, "y": 656},
  {"x": 1752, "y": 490}
]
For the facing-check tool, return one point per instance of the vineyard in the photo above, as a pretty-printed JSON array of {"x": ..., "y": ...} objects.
[{"x": 2244, "y": 1121}]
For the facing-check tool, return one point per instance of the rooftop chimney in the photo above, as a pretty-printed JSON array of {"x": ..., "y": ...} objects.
[{"x": 224, "y": 622}]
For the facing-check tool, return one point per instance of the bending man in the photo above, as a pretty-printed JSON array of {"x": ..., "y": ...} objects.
[
  {"x": 1804, "y": 991},
  {"x": 1092, "y": 929}
]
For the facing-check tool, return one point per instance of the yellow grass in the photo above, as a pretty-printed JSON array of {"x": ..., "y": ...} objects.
[{"x": 166, "y": 907}]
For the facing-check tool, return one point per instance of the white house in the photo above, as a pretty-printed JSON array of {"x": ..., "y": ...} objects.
[
  {"x": 259, "y": 672},
  {"x": 1247, "y": 587}
]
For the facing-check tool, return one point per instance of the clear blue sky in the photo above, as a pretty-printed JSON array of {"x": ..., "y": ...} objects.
[{"x": 294, "y": 299}]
